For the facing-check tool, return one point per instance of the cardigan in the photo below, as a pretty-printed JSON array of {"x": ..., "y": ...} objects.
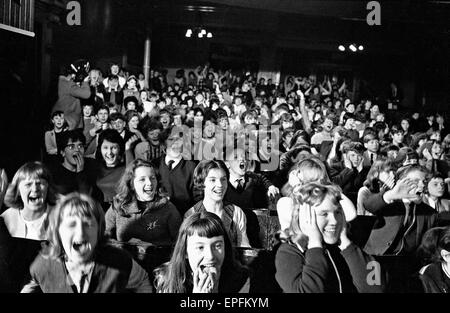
[
  {"x": 158, "y": 223},
  {"x": 114, "y": 271},
  {"x": 233, "y": 219}
]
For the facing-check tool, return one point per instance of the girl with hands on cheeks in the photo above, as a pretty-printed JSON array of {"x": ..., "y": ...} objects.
[
  {"x": 317, "y": 255},
  {"x": 202, "y": 260}
]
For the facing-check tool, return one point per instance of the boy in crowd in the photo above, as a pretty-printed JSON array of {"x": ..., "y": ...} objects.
[
  {"x": 247, "y": 190},
  {"x": 350, "y": 174},
  {"x": 118, "y": 122},
  {"x": 177, "y": 174},
  {"x": 74, "y": 173},
  {"x": 372, "y": 146},
  {"x": 101, "y": 124},
  {"x": 53, "y": 136}
]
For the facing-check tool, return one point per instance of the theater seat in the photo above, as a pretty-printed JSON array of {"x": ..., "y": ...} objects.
[
  {"x": 360, "y": 228},
  {"x": 261, "y": 262}
]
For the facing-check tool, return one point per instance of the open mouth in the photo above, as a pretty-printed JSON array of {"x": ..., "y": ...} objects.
[
  {"x": 148, "y": 191},
  {"x": 218, "y": 192},
  {"x": 81, "y": 247},
  {"x": 36, "y": 200},
  {"x": 242, "y": 166},
  {"x": 208, "y": 268}
]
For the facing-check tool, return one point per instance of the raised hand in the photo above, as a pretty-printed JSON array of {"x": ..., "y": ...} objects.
[
  {"x": 130, "y": 141},
  {"x": 273, "y": 191},
  {"x": 308, "y": 225},
  {"x": 79, "y": 160}
]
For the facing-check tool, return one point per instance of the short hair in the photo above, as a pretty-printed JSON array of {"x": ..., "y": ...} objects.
[
  {"x": 112, "y": 136},
  {"x": 401, "y": 173},
  {"x": 221, "y": 113},
  {"x": 132, "y": 113},
  {"x": 286, "y": 117},
  {"x": 150, "y": 124},
  {"x": 57, "y": 113},
  {"x": 71, "y": 135},
  {"x": 79, "y": 204},
  {"x": 130, "y": 99},
  {"x": 369, "y": 137},
  {"x": 34, "y": 170},
  {"x": 102, "y": 107},
  {"x": 113, "y": 77},
  {"x": 202, "y": 170},
  {"x": 372, "y": 182},
  {"x": 354, "y": 146}
]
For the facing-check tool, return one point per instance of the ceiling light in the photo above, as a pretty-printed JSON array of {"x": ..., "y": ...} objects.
[
  {"x": 209, "y": 35},
  {"x": 203, "y": 32},
  {"x": 200, "y": 35},
  {"x": 341, "y": 48},
  {"x": 353, "y": 47},
  {"x": 360, "y": 48},
  {"x": 189, "y": 33}
]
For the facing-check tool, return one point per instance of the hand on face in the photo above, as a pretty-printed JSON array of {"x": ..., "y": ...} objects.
[
  {"x": 308, "y": 225},
  {"x": 405, "y": 189},
  {"x": 205, "y": 281},
  {"x": 79, "y": 161}
]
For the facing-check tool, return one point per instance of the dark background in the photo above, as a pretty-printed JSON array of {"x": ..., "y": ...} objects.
[{"x": 411, "y": 47}]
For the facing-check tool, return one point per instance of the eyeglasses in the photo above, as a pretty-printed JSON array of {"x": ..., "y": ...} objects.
[{"x": 72, "y": 146}]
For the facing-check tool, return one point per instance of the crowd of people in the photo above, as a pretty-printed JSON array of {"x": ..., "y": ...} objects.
[{"x": 184, "y": 162}]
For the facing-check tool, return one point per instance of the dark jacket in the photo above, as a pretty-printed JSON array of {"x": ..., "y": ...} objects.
[
  {"x": 178, "y": 182},
  {"x": 388, "y": 229},
  {"x": 114, "y": 271},
  {"x": 434, "y": 279},
  {"x": 319, "y": 270}
]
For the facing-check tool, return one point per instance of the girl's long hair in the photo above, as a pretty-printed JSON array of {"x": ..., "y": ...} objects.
[
  {"x": 126, "y": 193},
  {"x": 372, "y": 181},
  {"x": 176, "y": 276}
]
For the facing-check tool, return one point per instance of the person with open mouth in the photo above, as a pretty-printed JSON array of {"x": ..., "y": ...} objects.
[
  {"x": 402, "y": 214},
  {"x": 211, "y": 177},
  {"x": 30, "y": 197},
  {"x": 141, "y": 210},
  {"x": 110, "y": 155},
  {"x": 202, "y": 260},
  {"x": 77, "y": 258}
]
